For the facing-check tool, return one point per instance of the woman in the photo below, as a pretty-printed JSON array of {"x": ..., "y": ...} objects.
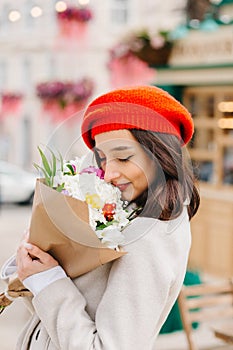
[{"x": 137, "y": 136}]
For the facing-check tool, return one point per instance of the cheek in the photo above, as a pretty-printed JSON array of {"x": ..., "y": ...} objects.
[
  {"x": 146, "y": 175},
  {"x": 140, "y": 177}
]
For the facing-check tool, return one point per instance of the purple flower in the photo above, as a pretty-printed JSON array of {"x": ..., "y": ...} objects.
[
  {"x": 66, "y": 91},
  {"x": 93, "y": 170},
  {"x": 51, "y": 89},
  {"x": 73, "y": 13},
  {"x": 65, "y": 192}
]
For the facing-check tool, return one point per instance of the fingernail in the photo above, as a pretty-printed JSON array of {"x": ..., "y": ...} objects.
[
  {"x": 27, "y": 245},
  {"x": 26, "y": 233}
]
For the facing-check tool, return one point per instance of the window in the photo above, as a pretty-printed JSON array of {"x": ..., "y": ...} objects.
[
  {"x": 211, "y": 148},
  {"x": 119, "y": 12}
]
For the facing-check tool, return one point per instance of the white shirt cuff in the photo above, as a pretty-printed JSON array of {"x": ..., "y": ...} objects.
[
  {"x": 35, "y": 283},
  {"x": 8, "y": 269}
]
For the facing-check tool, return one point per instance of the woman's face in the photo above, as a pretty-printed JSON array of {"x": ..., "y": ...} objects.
[{"x": 125, "y": 162}]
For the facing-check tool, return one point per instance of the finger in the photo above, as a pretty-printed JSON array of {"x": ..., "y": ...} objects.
[
  {"x": 22, "y": 256},
  {"x": 22, "y": 252},
  {"x": 36, "y": 252}
]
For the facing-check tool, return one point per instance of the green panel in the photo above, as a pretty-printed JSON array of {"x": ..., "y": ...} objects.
[
  {"x": 173, "y": 322},
  {"x": 175, "y": 90},
  {"x": 225, "y": 2}
]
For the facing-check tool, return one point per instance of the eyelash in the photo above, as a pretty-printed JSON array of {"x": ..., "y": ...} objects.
[{"x": 123, "y": 160}]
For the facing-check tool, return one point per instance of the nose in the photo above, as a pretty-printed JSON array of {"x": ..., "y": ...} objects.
[{"x": 110, "y": 172}]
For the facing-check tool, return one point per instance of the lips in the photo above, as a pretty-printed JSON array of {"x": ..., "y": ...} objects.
[{"x": 122, "y": 187}]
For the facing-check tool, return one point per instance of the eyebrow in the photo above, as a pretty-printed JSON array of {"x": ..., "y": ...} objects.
[{"x": 119, "y": 148}]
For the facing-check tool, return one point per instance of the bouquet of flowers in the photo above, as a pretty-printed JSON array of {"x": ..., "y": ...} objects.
[
  {"x": 76, "y": 217},
  {"x": 88, "y": 217},
  {"x": 107, "y": 217}
]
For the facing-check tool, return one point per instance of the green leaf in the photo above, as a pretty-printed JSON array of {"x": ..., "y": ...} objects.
[
  {"x": 61, "y": 161},
  {"x": 45, "y": 162},
  {"x": 2, "y": 308},
  {"x": 101, "y": 225},
  {"x": 36, "y": 166},
  {"x": 47, "y": 177},
  {"x": 54, "y": 166},
  {"x": 60, "y": 187},
  {"x": 62, "y": 103},
  {"x": 49, "y": 166},
  {"x": 69, "y": 166},
  {"x": 54, "y": 162}
]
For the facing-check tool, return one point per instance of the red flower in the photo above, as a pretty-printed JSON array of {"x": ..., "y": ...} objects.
[{"x": 109, "y": 211}]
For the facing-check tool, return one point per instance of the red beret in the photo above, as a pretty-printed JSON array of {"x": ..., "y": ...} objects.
[{"x": 140, "y": 107}]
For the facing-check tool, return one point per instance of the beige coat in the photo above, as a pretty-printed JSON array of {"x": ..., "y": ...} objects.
[{"x": 121, "y": 305}]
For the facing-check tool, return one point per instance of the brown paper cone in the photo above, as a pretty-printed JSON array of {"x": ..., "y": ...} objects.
[
  {"x": 15, "y": 289},
  {"x": 60, "y": 226}
]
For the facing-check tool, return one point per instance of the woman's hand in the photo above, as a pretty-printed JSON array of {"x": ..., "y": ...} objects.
[{"x": 31, "y": 259}]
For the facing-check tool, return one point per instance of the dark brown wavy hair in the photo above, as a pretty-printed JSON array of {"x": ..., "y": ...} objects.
[{"x": 174, "y": 181}]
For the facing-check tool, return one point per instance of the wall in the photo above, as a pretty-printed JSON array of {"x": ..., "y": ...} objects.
[{"x": 32, "y": 51}]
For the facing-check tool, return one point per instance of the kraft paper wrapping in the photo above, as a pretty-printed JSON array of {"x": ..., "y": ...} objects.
[
  {"x": 60, "y": 226},
  {"x": 15, "y": 289}
]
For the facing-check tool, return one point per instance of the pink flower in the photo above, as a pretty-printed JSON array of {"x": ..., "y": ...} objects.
[
  {"x": 157, "y": 42},
  {"x": 93, "y": 170},
  {"x": 74, "y": 168}
]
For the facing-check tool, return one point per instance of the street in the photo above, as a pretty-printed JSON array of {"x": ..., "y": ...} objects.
[{"x": 14, "y": 220}]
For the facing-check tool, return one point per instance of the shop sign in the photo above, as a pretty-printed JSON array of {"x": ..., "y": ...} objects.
[{"x": 204, "y": 48}]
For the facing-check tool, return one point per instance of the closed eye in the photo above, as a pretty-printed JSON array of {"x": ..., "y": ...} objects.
[{"x": 124, "y": 159}]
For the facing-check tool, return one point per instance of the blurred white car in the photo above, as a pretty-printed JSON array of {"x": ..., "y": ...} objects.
[{"x": 16, "y": 184}]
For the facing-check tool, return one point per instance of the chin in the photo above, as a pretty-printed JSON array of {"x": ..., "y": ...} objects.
[{"x": 129, "y": 197}]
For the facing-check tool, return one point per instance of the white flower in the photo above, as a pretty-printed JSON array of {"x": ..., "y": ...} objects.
[
  {"x": 107, "y": 192},
  {"x": 72, "y": 186},
  {"x": 95, "y": 216},
  {"x": 121, "y": 217},
  {"x": 58, "y": 179},
  {"x": 111, "y": 237}
]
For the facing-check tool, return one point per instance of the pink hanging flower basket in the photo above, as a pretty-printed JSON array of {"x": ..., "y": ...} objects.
[
  {"x": 63, "y": 99},
  {"x": 11, "y": 103},
  {"x": 126, "y": 69},
  {"x": 73, "y": 22},
  {"x": 152, "y": 49}
]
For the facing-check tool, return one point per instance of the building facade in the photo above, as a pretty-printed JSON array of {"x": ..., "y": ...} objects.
[
  {"x": 200, "y": 73},
  {"x": 33, "y": 50}
]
